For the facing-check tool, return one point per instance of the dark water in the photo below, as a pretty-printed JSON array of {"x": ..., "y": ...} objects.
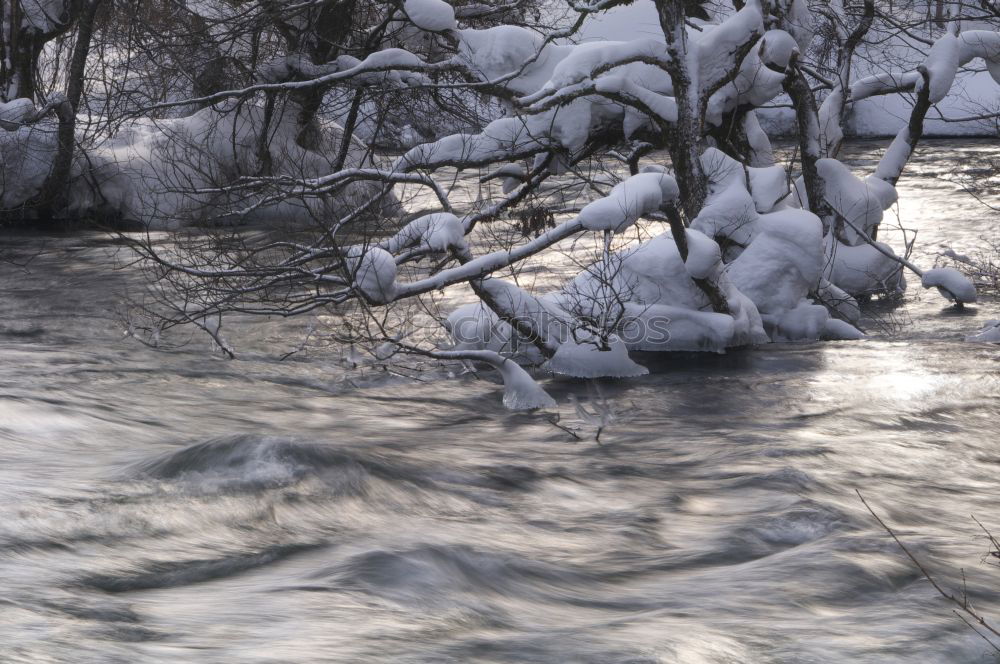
[{"x": 176, "y": 507}]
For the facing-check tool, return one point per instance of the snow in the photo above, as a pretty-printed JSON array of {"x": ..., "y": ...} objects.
[
  {"x": 587, "y": 359},
  {"x": 546, "y": 321},
  {"x": 501, "y": 140},
  {"x": 581, "y": 63},
  {"x": 663, "y": 106},
  {"x": 759, "y": 79},
  {"x": 476, "y": 327},
  {"x": 430, "y": 15},
  {"x": 665, "y": 328},
  {"x": 629, "y": 200},
  {"x": 883, "y": 116},
  {"x": 783, "y": 263},
  {"x": 983, "y": 44},
  {"x": 762, "y": 154},
  {"x": 507, "y": 49},
  {"x": 43, "y": 14},
  {"x": 438, "y": 231},
  {"x": 767, "y": 186},
  {"x": 951, "y": 283},
  {"x": 663, "y": 308},
  {"x": 804, "y": 321},
  {"x": 883, "y": 83},
  {"x": 835, "y": 329},
  {"x": 704, "y": 255},
  {"x": 390, "y": 65},
  {"x": 730, "y": 211},
  {"x": 166, "y": 173},
  {"x": 16, "y": 112},
  {"x": 838, "y": 301},
  {"x": 374, "y": 272},
  {"x": 717, "y": 45},
  {"x": 864, "y": 270},
  {"x": 513, "y": 175},
  {"x": 989, "y": 334},
  {"x": 26, "y": 156},
  {"x": 830, "y": 129},
  {"x": 623, "y": 22},
  {"x": 520, "y": 391},
  {"x": 777, "y": 47},
  {"x": 852, "y": 198},
  {"x": 942, "y": 64}
]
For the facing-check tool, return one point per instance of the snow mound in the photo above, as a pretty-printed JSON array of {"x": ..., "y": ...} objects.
[
  {"x": 629, "y": 200},
  {"x": 864, "y": 270},
  {"x": 586, "y": 359},
  {"x": 704, "y": 255},
  {"x": 989, "y": 334},
  {"x": 374, "y": 271},
  {"x": 174, "y": 172},
  {"x": 26, "y": 156},
  {"x": 951, "y": 283},
  {"x": 859, "y": 202},
  {"x": 783, "y": 263},
  {"x": 430, "y": 15},
  {"x": 16, "y": 112},
  {"x": 508, "y": 50},
  {"x": 438, "y": 231}
]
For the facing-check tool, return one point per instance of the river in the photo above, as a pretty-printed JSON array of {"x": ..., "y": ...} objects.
[{"x": 173, "y": 506}]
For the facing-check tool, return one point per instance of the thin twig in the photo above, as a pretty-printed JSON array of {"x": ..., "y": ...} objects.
[{"x": 961, "y": 604}]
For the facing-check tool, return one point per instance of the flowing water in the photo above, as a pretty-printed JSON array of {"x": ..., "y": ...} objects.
[{"x": 172, "y": 506}]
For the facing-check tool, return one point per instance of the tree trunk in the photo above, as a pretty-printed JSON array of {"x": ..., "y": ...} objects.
[
  {"x": 53, "y": 196},
  {"x": 798, "y": 90},
  {"x": 686, "y": 143}
]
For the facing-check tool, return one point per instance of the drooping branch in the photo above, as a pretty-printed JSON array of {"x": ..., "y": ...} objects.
[{"x": 891, "y": 166}]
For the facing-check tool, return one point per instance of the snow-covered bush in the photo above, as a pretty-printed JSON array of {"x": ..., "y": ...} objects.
[{"x": 708, "y": 244}]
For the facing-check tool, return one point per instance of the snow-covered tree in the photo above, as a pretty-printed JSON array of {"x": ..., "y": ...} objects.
[{"x": 703, "y": 240}]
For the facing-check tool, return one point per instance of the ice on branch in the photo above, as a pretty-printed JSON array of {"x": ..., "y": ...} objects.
[{"x": 520, "y": 391}]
